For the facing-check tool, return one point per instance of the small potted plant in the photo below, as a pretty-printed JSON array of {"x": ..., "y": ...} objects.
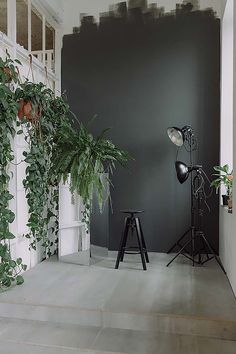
[
  {"x": 224, "y": 176},
  {"x": 33, "y": 99},
  {"x": 8, "y": 70}
]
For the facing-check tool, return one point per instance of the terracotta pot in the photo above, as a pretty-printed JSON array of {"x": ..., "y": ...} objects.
[{"x": 25, "y": 110}]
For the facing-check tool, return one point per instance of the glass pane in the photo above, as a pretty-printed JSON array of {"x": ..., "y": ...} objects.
[
  {"x": 36, "y": 34},
  {"x": 3, "y": 16},
  {"x": 22, "y": 22},
  {"x": 50, "y": 46}
]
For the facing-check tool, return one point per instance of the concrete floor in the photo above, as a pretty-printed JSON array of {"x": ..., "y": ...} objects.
[{"x": 64, "y": 308}]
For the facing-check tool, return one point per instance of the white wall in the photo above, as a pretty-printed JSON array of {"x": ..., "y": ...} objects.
[
  {"x": 73, "y": 9},
  {"x": 228, "y": 120},
  {"x": 227, "y": 48}
]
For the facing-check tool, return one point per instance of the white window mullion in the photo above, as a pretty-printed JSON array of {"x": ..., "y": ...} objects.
[
  {"x": 29, "y": 27},
  {"x": 57, "y": 60}
]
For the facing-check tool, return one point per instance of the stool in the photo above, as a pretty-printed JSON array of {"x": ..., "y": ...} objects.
[{"x": 132, "y": 223}]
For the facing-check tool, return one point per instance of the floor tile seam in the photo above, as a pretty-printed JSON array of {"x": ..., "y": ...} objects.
[
  {"x": 72, "y": 349},
  {"x": 107, "y": 311},
  {"x": 104, "y": 327}
]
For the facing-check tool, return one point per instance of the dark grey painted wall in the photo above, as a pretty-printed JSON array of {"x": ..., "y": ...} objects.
[{"x": 140, "y": 79}]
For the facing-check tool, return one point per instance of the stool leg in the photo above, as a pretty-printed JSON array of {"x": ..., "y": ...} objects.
[
  {"x": 124, "y": 236},
  {"x": 139, "y": 237},
  {"x": 143, "y": 242},
  {"x": 125, "y": 241}
]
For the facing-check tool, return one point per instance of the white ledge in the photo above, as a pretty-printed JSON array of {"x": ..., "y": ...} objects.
[{"x": 71, "y": 225}]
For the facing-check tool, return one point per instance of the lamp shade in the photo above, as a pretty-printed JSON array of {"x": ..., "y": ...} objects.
[
  {"x": 182, "y": 171},
  {"x": 176, "y": 135}
]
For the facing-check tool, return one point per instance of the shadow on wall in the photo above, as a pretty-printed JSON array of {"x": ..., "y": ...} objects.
[{"x": 142, "y": 70}]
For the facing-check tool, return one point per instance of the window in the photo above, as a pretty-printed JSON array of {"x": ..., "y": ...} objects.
[
  {"x": 3, "y": 16},
  {"x": 37, "y": 34},
  {"x": 33, "y": 32},
  {"x": 22, "y": 23},
  {"x": 50, "y": 46}
]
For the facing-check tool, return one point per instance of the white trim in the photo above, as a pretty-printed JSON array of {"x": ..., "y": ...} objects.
[
  {"x": 22, "y": 52},
  {"x": 29, "y": 26},
  {"x": 71, "y": 225},
  {"x": 6, "y": 40},
  {"x": 51, "y": 16}
]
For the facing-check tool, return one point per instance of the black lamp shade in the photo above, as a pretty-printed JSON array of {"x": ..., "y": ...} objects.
[
  {"x": 176, "y": 135},
  {"x": 182, "y": 171}
]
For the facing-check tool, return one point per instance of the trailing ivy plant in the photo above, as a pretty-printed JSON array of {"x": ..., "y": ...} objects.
[
  {"x": 58, "y": 115},
  {"x": 86, "y": 158},
  {"x": 35, "y": 117},
  {"x": 9, "y": 269}
]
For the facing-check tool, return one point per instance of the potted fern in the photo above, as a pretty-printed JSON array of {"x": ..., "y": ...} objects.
[
  {"x": 224, "y": 176},
  {"x": 86, "y": 159}
]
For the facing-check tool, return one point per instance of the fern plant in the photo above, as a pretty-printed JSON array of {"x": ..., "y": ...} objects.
[{"x": 86, "y": 158}]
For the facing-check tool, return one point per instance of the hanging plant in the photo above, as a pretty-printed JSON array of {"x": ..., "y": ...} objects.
[
  {"x": 34, "y": 99},
  {"x": 9, "y": 269},
  {"x": 59, "y": 118},
  {"x": 36, "y": 118},
  {"x": 8, "y": 71},
  {"x": 86, "y": 158}
]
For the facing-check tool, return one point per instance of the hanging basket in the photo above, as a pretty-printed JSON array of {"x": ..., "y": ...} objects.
[{"x": 29, "y": 111}]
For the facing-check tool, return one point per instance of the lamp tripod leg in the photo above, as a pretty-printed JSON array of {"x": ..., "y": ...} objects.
[
  {"x": 213, "y": 253},
  {"x": 177, "y": 242},
  {"x": 193, "y": 244},
  {"x": 180, "y": 251}
]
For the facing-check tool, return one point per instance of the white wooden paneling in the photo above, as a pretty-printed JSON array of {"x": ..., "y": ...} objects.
[
  {"x": 20, "y": 245},
  {"x": 73, "y": 238}
]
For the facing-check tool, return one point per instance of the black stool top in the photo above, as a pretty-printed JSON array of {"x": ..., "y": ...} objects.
[{"x": 131, "y": 211}]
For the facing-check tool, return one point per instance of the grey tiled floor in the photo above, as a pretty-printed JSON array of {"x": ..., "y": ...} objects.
[
  {"x": 36, "y": 338},
  {"x": 64, "y": 308}
]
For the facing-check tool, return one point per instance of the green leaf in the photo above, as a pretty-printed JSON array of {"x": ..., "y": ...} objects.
[
  {"x": 19, "y": 261},
  {"x": 4, "y": 103},
  {"x": 19, "y": 280},
  {"x": 9, "y": 236},
  {"x": 24, "y": 267},
  {"x": 12, "y": 263},
  {"x": 6, "y": 282},
  {"x": 18, "y": 61}
]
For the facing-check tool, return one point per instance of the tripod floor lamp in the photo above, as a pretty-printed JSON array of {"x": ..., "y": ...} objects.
[{"x": 193, "y": 242}]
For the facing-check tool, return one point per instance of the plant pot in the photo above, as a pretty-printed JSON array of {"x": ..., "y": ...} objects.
[
  {"x": 225, "y": 199},
  {"x": 26, "y": 110},
  {"x": 230, "y": 204}
]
